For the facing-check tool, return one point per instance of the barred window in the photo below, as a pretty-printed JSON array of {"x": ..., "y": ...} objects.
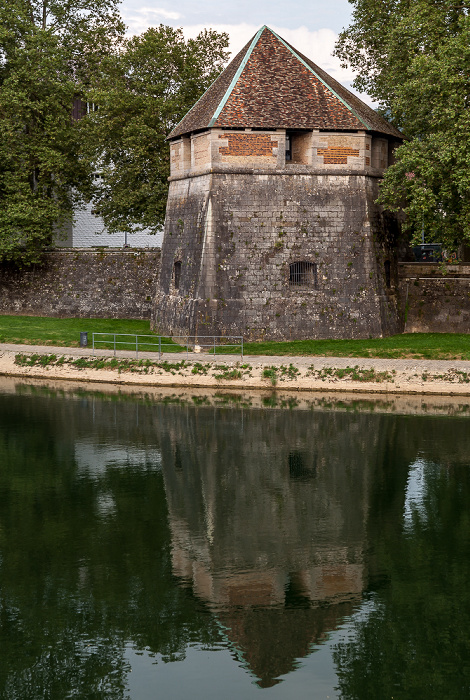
[
  {"x": 177, "y": 273},
  {"x": 303, "y": 274}
]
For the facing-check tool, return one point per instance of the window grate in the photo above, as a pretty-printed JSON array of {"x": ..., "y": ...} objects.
[{"x": 303, "y": 274}]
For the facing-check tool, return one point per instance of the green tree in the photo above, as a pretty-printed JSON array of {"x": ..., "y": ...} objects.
[
  {"x": 142, "y": 93},
  {"x": 413, "y": 58},
  {"x": 49, "y": 50}
]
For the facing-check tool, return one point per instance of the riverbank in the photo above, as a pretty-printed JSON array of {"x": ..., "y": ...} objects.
[
  {"x": 298, "y": 374},
  {"x": 312, "y": 401}
]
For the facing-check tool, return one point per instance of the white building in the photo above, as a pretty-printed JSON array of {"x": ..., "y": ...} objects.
[{"x": 88, "y": 231}]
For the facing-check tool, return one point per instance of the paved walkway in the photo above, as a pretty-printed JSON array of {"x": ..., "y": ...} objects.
[{"x": 300, "y": 361}]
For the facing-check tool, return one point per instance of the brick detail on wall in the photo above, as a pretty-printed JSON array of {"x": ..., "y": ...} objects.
[
  {"x": 247, "y": 145},
  {"x": 337, "y": 155}
]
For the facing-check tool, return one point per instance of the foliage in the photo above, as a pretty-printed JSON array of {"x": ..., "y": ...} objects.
[
  {"x": 49, "y": 49},
  {"x": 355, "y": 374},
  {"x": 413, "y": 58},
  {"x": 142, "y": 93}
]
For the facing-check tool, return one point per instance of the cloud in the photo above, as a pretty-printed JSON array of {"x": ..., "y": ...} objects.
[
  {"x": 141, "y": 19},
  {"x": 318, "y": 44}
]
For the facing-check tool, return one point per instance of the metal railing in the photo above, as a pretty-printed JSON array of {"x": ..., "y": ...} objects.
[{"x": 193, "y": 344}]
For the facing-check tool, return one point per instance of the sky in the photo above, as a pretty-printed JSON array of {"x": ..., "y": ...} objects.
[{"x": 311, "y": 26}]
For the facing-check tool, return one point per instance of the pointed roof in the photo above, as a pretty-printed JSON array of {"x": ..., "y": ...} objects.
[{"x": 270, "y": 85}]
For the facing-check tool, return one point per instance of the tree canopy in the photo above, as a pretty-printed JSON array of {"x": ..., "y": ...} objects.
[
  {"x": 49, "y": 50},
  {"x": 142, "y": 93},
  {"x": 55, "y": 52},
  {"x": 413, "y": 58}
]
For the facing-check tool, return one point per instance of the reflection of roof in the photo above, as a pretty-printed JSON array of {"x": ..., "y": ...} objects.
[
  {"x": 272, "y": 640},
  {"x": 270, "y": 85},
  {"x": 272, "y": 626}
]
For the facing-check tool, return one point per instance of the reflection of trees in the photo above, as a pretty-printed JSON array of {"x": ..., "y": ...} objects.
[
  {"x": 414, "y": 643},
  {"x": 78, "y": 583},
  {"x": 275, "y": 521},
  {"x": 270, "y": 510}
]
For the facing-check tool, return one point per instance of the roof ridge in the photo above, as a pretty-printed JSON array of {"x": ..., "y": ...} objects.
[
  {"x": 203, "y": 95},
  {"x": 350, "y": 97},
  {"x": 306, "y": 96},
  {"x": 235, "y": 78},
  {"x": 304, "y": 63}
]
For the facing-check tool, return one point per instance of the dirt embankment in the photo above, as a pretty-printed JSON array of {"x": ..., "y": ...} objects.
[{"x": 251, "y": 373}]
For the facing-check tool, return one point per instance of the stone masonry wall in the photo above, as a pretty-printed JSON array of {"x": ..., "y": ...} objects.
[
  {"x": 317, "y": 151},
  {"x": 434, "y": 302},
  {"x": 83, "y": 284},
  {"x": 236, "y": 235}
]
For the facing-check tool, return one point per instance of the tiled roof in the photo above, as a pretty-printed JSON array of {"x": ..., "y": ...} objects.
[{"x": 270, "y": 85}]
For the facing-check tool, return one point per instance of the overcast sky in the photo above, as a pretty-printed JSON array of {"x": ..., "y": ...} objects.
[{"x": 311, "y": 26}]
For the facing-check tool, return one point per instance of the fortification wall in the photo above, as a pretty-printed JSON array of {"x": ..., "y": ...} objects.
[
  {"x": 434, "y": 302},
  {"x": 121, "y": 284},
  {"x": 234, "y": 237},
  {"x": 82, "y": 283}
]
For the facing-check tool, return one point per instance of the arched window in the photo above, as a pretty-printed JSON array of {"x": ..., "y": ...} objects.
[
  {"x": 388, "y": 276},
  {"x": 177, "y": 273},
  {"x": 303, "y": 274}
]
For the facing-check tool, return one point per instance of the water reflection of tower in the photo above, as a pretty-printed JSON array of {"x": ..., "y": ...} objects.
[{"x": 269, "y": 522}]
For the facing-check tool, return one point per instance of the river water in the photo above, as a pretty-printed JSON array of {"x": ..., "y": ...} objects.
[{"x": 215, "y": 549}]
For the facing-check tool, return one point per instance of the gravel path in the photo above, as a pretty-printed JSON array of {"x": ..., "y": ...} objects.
[
  {"x": 408, "y": 365},
  {"x": 287, "y": 373}
]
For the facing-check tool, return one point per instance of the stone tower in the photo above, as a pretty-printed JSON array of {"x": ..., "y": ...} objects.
[{"x": 271, "y": 229}]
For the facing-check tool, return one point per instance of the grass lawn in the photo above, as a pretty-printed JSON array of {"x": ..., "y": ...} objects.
[
  {"x": 66, "y": 332},
  {"x": 432, "y": 346}
]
